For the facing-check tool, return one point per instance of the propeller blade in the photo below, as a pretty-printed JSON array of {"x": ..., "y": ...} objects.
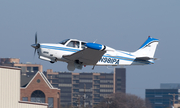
[
  {"x": 36, "y": 38},
  {"x": 34, "y": 52},
  {"x": 36, "y": 45}
]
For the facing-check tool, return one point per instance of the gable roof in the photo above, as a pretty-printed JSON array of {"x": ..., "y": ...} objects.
[{"x": 44, "y": 78}]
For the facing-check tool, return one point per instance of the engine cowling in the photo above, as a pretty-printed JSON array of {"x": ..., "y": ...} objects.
[
  {"x": 96, "y": 46},
  {"x": 100, "y": 47}
]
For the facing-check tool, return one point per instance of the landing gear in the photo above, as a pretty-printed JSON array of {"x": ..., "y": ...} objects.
[
  {"x": 53, "y": 61},
  {"x": 71, "y": 66}
]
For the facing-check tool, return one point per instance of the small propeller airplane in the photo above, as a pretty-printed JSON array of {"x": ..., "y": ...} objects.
[{"x": 80, "y": 53}]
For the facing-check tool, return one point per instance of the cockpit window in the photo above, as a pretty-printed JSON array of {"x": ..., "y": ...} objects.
[{"x": 63, "y": 42}]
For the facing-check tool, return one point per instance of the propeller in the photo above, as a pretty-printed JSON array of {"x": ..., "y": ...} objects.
[{"x": 36, "y": 45}]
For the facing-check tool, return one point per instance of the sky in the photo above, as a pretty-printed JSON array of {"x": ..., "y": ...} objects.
[{"x": 120, "y": 24}]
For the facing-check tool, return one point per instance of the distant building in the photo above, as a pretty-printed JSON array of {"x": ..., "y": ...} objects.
[
  {"x": 163, "y": 98},
  {"x": 170, "y": 86},
  {"x": 10, "y": 90},
  {"x": 26, "y": 68},
  {"x": 87, "y": 89},
  {"x": 39, "y": 89}
]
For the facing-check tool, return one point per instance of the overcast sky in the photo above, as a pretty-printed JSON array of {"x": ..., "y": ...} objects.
[{"x": 120, "y": 24}]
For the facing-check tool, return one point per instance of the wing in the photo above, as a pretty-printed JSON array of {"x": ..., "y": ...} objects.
[{"x": 87, "y": 56}]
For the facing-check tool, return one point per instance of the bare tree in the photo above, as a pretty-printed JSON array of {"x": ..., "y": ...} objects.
[{"x": 122, "y": 100}]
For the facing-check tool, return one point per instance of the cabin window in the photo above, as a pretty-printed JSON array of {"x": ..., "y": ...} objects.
[
  {"x": 74, "y": 44},
  {"x": 45, "y": 52},
  {"x": 83, "y": 45}
]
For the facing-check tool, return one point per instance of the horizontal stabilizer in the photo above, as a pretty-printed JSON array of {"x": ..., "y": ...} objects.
[{"x": 145, "y": 58}]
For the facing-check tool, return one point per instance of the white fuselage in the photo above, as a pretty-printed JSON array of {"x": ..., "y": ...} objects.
[
  {"x": 55, "y": 52},
  {"x": 78, "y": 53}
]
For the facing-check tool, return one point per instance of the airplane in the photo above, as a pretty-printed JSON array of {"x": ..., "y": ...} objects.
[{"x": 77, "y": 53}]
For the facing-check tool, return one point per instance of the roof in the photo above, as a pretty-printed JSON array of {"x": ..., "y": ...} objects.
[
  {"x": 29, "y": 79},
  {"x": 8, "y": 67}
]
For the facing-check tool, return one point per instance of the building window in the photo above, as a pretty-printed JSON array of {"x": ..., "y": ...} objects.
[
  {"x": 96, "y": 86},
  {"x": 96, "y": 90},
  {"x": 50, "y": 102},
  {"x": 158, "y": 103},
  {"x": 75, "y": 76},
  {"x": 65, "y": 85},
  {"x": 97, "y": 95},
  {"x": 28, "y": 69},
  {"x": 106, "y": 90},
  {"x": 102, "y": 77},
  {"x": 85, "y": 76},
  {"x": 158, "y": 96},
  {"x": 25, "y": 99},
  {"x": 75, "y": 90},
  {"x": 38, "y": 96},
  {"x": 38, "y": 80},
  {"x": 106, "y": 86},
  {"x": 106, "y": 81},
  {"x": 86, "y": 81},
  {"x": 65, "y": 75},
  {"x": 96, "y": 77},
  {"x": 35, "y": 69}
]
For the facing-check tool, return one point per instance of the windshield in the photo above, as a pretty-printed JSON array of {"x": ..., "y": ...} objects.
[{"x": 63, "y": 42}]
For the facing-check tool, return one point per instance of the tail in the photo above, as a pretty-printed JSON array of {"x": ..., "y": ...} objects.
[{"x": 147, "y": 50}]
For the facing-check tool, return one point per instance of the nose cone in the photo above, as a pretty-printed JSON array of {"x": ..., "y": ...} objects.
[
  {"x": 33, "y": 45},
  {"x": 36, "y": 46}
]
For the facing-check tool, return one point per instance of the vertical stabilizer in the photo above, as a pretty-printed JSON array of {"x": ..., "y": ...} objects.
[{"x": 147, "y": 49}]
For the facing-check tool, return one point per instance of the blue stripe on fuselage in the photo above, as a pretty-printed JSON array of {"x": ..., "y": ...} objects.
[
  {"x": 120, "y": 57},
  {"x": 124, "y": 58},
  {"x": 60, "y": 48},
  {"x": 124, "y": 53}
]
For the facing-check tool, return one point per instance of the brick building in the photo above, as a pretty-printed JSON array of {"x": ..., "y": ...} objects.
[{"x": 39, "y": 89}]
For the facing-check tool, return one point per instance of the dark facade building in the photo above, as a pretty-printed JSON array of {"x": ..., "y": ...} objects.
[
  {"x": 162, "y": 98},
  {"x": 88, "y": 89}
]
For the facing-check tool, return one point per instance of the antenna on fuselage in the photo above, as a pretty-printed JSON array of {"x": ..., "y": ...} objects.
[{"x": 95, "y": 41}]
